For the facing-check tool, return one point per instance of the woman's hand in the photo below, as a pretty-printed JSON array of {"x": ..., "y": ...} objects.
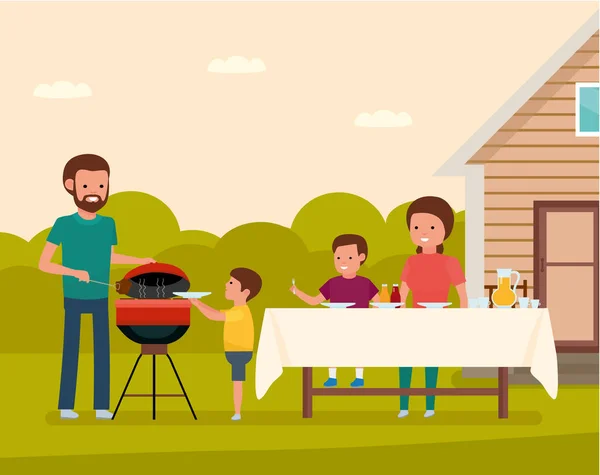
[{"x": 293, "y": 289}]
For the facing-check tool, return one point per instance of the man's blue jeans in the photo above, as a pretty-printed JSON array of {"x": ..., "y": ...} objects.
[{"x": 68, "y": 381}]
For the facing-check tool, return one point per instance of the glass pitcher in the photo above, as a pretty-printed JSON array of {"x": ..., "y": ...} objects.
[{"x": 505, "y": 296}]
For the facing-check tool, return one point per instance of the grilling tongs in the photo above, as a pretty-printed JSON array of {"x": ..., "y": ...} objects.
[{"x": 122, "y": 286}]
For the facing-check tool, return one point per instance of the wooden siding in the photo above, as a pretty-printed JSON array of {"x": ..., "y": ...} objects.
[
  {"x": 545, "y": 139},
  {"x": 547, "y": 169},
  {"x": 536, "y": 156},
  {"x": 522, "y": 200},
  {"x": 518, "y": 183},
  {"x": 526, "y": 154}
]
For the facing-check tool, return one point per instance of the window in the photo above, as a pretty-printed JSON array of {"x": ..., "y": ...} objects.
[{"x": 587, "y": 103}]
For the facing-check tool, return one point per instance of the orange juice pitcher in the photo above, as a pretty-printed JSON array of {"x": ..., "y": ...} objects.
[{"x": 505, "y": 296}]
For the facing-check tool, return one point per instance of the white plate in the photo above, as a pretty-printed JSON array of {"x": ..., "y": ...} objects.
[
  {"x": 434, "y": 304},
  {"x": 338, "y": 304},
  {"x": 192, "y": 295},
  {"x": 387, "y": 304}
]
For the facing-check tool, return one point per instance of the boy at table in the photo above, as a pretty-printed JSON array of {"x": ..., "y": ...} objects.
[
  {"x": 349, "y": 254},
  {"x": 238, "y": 333}
]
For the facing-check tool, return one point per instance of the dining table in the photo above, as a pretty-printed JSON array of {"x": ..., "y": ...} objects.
[{"x": 310, "y": 338}]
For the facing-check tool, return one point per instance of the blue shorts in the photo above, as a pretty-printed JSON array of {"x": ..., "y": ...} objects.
[{"x": 238, "y": 361}]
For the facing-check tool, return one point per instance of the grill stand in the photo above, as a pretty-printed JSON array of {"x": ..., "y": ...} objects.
[{"x": 154, "y": 350}]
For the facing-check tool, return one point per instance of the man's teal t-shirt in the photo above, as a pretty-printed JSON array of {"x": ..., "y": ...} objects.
[{"x": 86, "y": 245}]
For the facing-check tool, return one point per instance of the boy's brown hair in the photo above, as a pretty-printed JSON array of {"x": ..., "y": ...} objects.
[
  {"x": 349, "y": 240},
  {"x": 249, "y": 280}
]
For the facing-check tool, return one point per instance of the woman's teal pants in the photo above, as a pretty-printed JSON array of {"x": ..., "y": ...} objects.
[{"x": 431, "y": 375}]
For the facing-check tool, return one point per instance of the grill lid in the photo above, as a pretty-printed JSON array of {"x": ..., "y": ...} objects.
[
  {"x": 156, "y": 268},
  {"x": 156, "y": 281}
]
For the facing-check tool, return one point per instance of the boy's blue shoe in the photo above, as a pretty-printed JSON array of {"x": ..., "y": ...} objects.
[
  {"x": 358, "y": 383},
  {"x": 330, "y": 383}
]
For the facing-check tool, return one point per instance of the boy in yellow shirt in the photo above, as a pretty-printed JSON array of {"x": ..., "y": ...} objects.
[{"x": 238, "y": 333}]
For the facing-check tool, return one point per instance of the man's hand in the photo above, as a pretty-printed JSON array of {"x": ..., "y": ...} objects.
[
  {"x": 129, "y": 260},
  {"x": 82, "y": 275}
]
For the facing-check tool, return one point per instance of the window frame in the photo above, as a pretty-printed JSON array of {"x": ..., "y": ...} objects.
[{"x": 578, "y": 87}]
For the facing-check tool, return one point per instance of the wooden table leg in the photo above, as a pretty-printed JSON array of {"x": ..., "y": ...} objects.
[
  {"x": 503, "y": 393},
  {"x": 307, "y": 382}
]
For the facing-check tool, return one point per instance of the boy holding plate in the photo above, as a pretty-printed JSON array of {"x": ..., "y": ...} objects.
[{"x": 238, "y": 333}]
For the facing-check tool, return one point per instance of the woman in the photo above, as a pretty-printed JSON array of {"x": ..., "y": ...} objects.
[{"x": 429, "y": 274}]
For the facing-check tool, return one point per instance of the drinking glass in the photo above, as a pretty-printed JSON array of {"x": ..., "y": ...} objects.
[
  {"x": 523, "y": 302},
  {"x": 473, "y": 303},
  {"x": 535, "y": 303},
  {"x": 484, "y": 302}
]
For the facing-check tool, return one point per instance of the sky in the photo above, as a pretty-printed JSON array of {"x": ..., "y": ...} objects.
[{"x": 152, "y": 92}]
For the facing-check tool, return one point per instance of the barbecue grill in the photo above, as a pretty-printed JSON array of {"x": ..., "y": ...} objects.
[{"x": 154, "y": 318}]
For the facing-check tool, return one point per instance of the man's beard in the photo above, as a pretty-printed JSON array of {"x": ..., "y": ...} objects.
[{"x": 90, "y": 206}]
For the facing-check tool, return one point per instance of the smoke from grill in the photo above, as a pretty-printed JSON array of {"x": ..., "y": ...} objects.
[{"x": 152, "y": 285}]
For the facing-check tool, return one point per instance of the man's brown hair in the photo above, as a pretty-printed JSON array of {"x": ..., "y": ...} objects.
[
  {"x": 349, "y": 240},
  {"x": 86, "y": 161},
  {"x": 249, "y": 280},
  {"x": 437, "y": 207}
]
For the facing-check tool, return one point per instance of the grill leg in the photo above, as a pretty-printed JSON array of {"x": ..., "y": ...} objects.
[
  {"x": 153, "y": 387},
  {"x": 181, "y": 385},
  {"x": 127, "y": 385}
]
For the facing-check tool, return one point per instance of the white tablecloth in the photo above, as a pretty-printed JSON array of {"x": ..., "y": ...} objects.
[{"x": 296, "y": 337}]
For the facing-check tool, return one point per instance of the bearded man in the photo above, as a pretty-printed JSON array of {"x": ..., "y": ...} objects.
[{"x": 87, "y": 241}]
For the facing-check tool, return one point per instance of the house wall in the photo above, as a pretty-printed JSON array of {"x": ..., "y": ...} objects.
[
  {"x": 536, "y": 156},
  {"x": 474, "y": 231}
]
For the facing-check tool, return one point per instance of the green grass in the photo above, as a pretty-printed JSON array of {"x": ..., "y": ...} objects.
[
  {"x": 549, "y": 455},
  {"x": 350, "y": 430}
]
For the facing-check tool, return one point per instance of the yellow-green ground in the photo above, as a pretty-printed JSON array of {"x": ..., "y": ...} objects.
[{"x": 346, "y": 433}]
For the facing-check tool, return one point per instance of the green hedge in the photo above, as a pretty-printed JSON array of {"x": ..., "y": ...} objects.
[{"x": 32, "y": 300}]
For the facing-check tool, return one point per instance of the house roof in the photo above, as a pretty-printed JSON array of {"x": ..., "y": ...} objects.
[{"x": 456, "y": 164}]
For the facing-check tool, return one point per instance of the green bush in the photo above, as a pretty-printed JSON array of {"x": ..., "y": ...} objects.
[
  {"x": 15, "y": 251},
  {"x": 147, "y": 227},
  {"x": 325, "y": 217}
]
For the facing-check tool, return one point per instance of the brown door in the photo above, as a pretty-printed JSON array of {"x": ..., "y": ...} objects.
[{"x": 566, "y": 271}]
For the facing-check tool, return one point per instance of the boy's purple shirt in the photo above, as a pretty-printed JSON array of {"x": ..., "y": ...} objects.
[{"x": 359, "y": 290}]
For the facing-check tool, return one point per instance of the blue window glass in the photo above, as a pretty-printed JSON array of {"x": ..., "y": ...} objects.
[{"x": 588, "y": 105}]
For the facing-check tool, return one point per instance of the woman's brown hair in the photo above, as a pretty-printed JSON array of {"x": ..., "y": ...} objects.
[{"x": 437, "y": 207}]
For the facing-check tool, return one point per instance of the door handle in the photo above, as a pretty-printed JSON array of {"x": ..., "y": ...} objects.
[{"x": 542, "y": 263}]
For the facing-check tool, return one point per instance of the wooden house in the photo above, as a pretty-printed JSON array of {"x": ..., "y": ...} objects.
[{"x": 532, "y": 199}]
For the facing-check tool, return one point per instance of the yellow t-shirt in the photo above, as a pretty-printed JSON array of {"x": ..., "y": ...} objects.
[{"x": 238, "y": 334}]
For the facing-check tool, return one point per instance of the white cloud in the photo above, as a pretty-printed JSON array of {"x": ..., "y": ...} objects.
[
  {"x": 62, "y": 90},
  {"x": 383, "y": 118},
  {"x": 236, "y": 65}
]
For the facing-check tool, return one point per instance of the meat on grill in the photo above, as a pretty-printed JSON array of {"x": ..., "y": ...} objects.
[
  {"x": 152, "y": 286},
  {"x": 159, "y": 282}
]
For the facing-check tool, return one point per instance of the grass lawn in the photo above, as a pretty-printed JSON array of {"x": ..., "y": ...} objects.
[{"x": 345, "y": 433}]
